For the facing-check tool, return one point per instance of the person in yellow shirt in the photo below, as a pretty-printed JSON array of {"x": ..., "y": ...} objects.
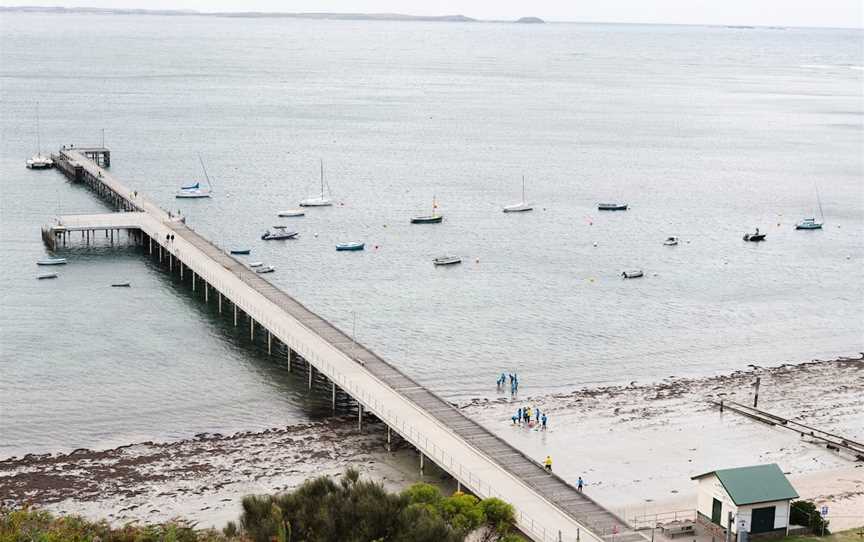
[{"x": 548, "y": 463}]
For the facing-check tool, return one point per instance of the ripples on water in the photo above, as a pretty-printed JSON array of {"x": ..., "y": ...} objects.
[{"x": 706, "y": 132}]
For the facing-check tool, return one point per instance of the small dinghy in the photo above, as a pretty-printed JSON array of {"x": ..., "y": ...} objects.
[
  {"x": 241, "y": 251},
  {"x": 447, "y": 260},
  {"x": 291, "y": 212},
  {"x": 611, "y": 206},
  {"x": 632, "y": 274},
  {"x": 51, "y": 261},
  {"x": 671, "y": 241},
  {"x": 265, "y": 269},
  {"x": 43, "y": 276},
  {"x": 350, "y": 246},
  {"x": 754, "y": 237},
  {"x": 121, "y": 285},
  {"x": 256, "y": 264},
  {"x": 279, "y": 235}
]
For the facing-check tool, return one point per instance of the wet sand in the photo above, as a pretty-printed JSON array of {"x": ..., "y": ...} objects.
[{"x": 636, "y": 446}]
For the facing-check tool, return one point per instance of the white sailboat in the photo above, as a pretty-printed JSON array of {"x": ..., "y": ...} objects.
[
  {"x": 195, "y": 191},
  {"x": 522, "y": 206},
  {"x": 811, "y": 223},
  {"x": 318, "y": 201},
  {"x": 39, "y": 160}
]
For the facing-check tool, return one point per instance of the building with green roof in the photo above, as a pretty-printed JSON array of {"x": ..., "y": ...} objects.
[{"x": 756, "y": 499}]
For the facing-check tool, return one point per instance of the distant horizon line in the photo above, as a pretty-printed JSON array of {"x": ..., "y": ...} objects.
[{"x": 359, "y": 16}]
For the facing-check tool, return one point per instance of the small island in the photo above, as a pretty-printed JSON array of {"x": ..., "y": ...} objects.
[{"x": 530, "y": 20}]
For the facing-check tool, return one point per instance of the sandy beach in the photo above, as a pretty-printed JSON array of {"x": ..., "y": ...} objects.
[{"x": 636, "y": 446}]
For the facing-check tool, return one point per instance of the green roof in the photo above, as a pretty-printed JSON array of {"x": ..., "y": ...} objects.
[{"x": 759, "y": 483}]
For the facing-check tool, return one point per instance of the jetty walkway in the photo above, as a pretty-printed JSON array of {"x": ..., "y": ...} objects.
[{"x": 547, "y": 507}]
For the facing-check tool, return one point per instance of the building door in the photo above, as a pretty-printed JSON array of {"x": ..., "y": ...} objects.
[
  {"x": 717, "y": 512},
  {"x": 762, "y": 520}
]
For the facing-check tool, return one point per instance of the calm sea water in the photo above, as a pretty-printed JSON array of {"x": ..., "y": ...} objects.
[{"x": 706, "y": 132}]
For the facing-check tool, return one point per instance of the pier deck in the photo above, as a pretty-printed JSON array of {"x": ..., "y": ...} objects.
[{"x": 547, "y": 508}]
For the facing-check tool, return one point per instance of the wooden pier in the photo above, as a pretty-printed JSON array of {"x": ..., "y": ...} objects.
[{"x": 548, "y": 509}]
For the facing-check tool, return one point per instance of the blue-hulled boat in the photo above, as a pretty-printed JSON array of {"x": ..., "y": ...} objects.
[
  {"x": 241, "y": 251},
  {"x": 350, "y": 246}
]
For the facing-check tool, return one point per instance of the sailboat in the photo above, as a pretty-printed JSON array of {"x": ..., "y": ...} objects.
[
  {"x": 434, "y": 218},
  {"x": 194, "y": 191},
  {"x": 522, "y": 206},
  {"x": 810, "y": 223},
  {"x": 39, "y": 160},
  {"x": 318, "y": 201}
]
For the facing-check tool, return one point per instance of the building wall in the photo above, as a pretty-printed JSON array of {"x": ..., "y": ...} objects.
[
  {"x": 710, "y": 488},
  {"x": 781, "y": 514}
]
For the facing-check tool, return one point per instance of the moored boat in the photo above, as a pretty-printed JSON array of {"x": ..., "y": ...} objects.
[
  {"x": 754, "y": 237},
  {"x": 357, "y": 245},
  {"x": 632, "y": 274},
  {"x": 434, "y": 218},
  {"x": 265, "y": 269},
  {"x": 51, "y": 261},
  {"x": 318, "y": 201},
  {"x": 611, "y": 206},
  {"x": 241, "y": 251},
  {"x": 256, "y": 264},
  {"x": 671, "y": 241},
  {"x": 195, "y": 191},
  {"x": 291, "y": 212},
  {"x": 808, "y": 224},
  {"x": 447, "y": 260},
  {"x": 42, "y": 276},
  {"x": 522, "y": 206},
  {"x": 39, "y": 160},
  {"x": 279, "y": 235},
  {"x": 121, "y": 285}
]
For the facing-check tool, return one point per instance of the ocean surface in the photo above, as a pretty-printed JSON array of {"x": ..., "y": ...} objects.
[{"x": 707, "y": 132}]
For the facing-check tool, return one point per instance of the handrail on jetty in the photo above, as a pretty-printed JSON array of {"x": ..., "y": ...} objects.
[{"x": 548, "y": 509}]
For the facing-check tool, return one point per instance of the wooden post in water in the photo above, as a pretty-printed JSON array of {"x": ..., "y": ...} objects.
[
  {"x": 756, "y": 392},
  {"x": 193, "y": 281},
  {"x": 206, "y": 292}
]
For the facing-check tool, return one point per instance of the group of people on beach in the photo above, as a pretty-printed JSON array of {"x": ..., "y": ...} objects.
[
  {"x": 523, "y": 417},
  {"x": 514, "y": 382}
]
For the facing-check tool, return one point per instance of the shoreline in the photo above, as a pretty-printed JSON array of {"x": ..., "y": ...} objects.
[{"x": 636, "y": 446}]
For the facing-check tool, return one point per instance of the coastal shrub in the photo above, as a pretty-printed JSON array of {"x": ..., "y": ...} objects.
[
  {"x": 355, "y": 510},
  {"x": 27, "y": 525},
  {"x": 805, "y": 513}
]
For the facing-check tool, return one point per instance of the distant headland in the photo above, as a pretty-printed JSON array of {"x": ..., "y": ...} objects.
[{"x": 258, "y": 14}]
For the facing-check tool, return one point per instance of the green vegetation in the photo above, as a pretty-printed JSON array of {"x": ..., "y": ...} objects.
[
  {"x": 320, "y": 510},
  {"x": 805, "y": 513},
  {"x": 27, "y": 525},
  {"x": 852, "y": 535},
  {"x": 355, "y": 510}
]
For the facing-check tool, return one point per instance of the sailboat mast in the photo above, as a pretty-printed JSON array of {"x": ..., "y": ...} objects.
[
  {"x": 819, "y": 201},
  {"x": 38, "y": 139},
  {"x": 322, "y": 178},
  {"x": 210, "y": 184},
  {"x": 523, "y": 188}
]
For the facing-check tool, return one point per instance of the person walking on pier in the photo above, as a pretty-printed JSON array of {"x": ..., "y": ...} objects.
[
  {"x": 579, "y": 484},
  {"x": 543, "y": 420},
  {"x": 548, "y": 463},
  {"x": 537, "y": 415}
]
